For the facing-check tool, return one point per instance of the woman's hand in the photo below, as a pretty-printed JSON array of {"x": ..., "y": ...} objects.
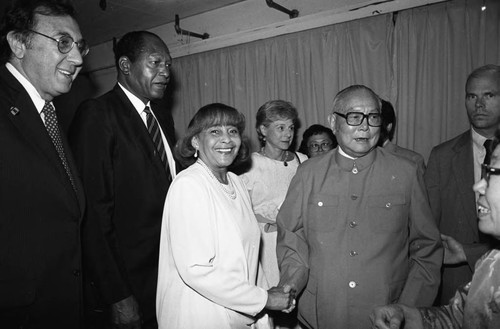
[{"x": 281, "y": 299}]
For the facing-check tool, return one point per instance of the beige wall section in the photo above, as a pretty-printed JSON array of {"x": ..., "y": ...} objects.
[{"x": 245, "y": 22}]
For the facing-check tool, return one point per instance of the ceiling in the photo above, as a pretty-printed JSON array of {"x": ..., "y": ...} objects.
[{"x": 122, "y": 16}]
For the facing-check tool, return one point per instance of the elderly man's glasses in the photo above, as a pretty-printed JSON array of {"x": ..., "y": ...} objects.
[
  {"x": 487, "y": 171},
  {"x": 66, "y": 43},
  {"x": 323, "y": 146},
  {"x": 356, "y": 118}
]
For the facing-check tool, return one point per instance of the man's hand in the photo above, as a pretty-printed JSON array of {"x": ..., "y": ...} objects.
[
  {"x": 453, "y": 251},
  {"x": 288, "y": 288},
  {"x": 387, "y": 317},
  {"x": 125, "y": 314},
  {"x": 280, "y": 299},
  {"x": 396, "y": 316}
]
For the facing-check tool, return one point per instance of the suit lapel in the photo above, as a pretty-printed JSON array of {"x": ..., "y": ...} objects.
[
  {"x": 463, "y": 173},
  {"x": 31, "y": 127},
  {"x": 138, "y": 130}
]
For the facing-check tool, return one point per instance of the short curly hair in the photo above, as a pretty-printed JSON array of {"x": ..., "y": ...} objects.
[
  {"x": 211, "y": 115},
  {"x": 272, "y": 111}
]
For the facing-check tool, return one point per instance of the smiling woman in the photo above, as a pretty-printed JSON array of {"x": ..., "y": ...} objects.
[{"x": 210, "y": 239}]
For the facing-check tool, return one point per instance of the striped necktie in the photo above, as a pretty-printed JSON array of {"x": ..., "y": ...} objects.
[
  {"x": 154, "y": 132},
  {"x": 53, "y": 129}
]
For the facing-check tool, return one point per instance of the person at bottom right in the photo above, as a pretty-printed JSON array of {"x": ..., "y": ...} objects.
[{"x": 477, "y": 304}]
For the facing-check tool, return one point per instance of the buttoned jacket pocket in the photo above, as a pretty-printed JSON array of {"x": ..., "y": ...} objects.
[
  {"x": 321, "y": 212},
  {"x": 387, "y": 213}
]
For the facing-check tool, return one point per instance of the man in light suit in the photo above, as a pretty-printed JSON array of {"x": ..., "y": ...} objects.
[
  {"x": 387, "y": 134},
  {"x": 355, "y": 229},
  {"x": 41, "y": 196},
  {"x": 126, "y": 175},
  {"x": 453, "y": 167}
]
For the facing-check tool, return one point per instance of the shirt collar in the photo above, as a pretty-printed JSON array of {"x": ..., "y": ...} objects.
[
  {"x": 477, "y": 139},
  {"x": 136, "y": 102},
  {"x": 37, "y": 100}
]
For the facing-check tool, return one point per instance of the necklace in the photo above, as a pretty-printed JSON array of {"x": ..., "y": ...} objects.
[
  {"x": 229, "y": 190},
  {"x": 284, "y": 156}
]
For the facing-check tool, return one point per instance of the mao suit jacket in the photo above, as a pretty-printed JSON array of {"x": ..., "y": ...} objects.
[
  {"x": 449, "y": 178},
  {"x": 408, "y": 154},
  {"x": 126, "y": 185},
  {"x": 40, "y": 219},
  {"x": 356, "y": 234}
]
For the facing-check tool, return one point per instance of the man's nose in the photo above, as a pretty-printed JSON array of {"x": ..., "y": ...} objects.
[
  {"x": 364, "y": 124},
  {"x": 74, "y": 56},
  {"x": 480, "y": 102},
  {"x": 165, "y": 70}
]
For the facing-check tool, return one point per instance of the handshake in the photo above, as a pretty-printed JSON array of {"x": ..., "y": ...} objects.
[{"x": 281, "y": 298}]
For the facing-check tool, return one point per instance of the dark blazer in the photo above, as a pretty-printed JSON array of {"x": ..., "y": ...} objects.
[
  {"x": 40, "y": 219},
  {"x": 449, "y": 178},
  {"x": 126, "y": 186}
]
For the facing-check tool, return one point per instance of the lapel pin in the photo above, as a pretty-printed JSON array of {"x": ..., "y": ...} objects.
[{"x": 14, "y": 110}]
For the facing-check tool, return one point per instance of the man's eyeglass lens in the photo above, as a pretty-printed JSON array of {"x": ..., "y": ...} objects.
[
  {"x": 356, "y": 118},
  {"x": 66, "y": 43}
]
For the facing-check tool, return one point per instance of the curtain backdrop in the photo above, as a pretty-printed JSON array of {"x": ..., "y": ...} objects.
[
  {"x": 435, "y": 48},
  {"x": 306, "y": 68},
  {"x": 418, "y": 59}
]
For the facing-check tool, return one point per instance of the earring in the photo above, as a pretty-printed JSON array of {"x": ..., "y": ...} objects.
[{"x": 196, "y": 153}]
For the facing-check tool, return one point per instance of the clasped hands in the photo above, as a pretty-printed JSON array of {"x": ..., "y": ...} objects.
[{"x": 281, "y": 298}]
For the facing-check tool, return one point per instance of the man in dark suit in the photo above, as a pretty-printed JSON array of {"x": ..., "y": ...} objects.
[
  {"x": 387, "y": 134},
  {"x": 453, "y": 167},
  {"x": 41, "y": 196},
  {"x": 126, "y": 175}
]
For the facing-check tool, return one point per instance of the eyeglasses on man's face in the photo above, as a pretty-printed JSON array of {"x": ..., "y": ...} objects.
[
  {"x": 356, "y": 118},
  {"x": 315, "y": 147},
  {"x": 66, "y": 43},
  {"x": 487, "y": 171}
]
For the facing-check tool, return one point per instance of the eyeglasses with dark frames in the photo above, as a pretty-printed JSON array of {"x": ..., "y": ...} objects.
[
  {"x": 356, "y": 118},
  {"x": 66, "y": 43},
  {"x": 487, "y": 171},
  {"x": 323, "y": 146}
]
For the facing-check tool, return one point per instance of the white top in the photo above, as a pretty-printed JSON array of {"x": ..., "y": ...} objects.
[
  {"x": 268, "y": 181},
  {"x": 209, "y": 251}
]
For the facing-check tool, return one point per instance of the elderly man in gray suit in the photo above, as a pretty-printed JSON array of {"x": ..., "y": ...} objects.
[{"x": 355, "y": 229}]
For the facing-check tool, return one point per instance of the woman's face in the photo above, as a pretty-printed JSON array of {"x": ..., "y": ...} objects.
[
  {"x": 279, "y": 133},
  {"x": 218, "y": 146},
  {"x": 319, "y": 144},
  {"x": 488, "y": 204}
]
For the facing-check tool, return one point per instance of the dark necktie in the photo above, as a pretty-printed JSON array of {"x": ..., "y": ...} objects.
[
  {"x": 154, "y": 132},
  {"x": 53, "y": 130},
  {"x": 487, "y": 157},
  {"x": 487, "y": 146}
]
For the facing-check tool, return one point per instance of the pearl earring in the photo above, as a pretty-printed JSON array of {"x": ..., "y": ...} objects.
[{"x": 196, "y": 153}]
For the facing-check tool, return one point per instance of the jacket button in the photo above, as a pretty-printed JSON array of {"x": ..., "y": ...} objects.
[
  {"x": 353, "y": 224},
  {"x": 353, "y": 253},
  {"x": 76, "y": 273},
  {"x": 320, "y": 204},
  {"x": 352, "y": 284}
]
